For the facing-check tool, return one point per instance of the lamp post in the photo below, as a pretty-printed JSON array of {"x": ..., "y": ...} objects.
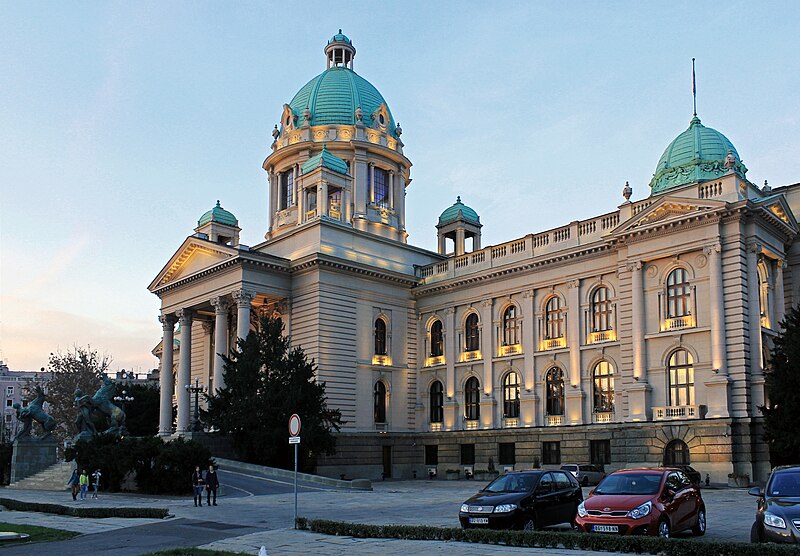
[
  {"x": 197, "y": 426},
  {"x": 123, "y": 399}
]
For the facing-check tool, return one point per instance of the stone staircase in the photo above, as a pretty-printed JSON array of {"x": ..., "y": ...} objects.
[{"x": 54, "y": 477}]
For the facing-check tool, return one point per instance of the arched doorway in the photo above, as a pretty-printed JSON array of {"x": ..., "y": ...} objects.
[{"x": 676, "y": 453}]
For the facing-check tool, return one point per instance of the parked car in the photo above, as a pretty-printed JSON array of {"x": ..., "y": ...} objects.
[
  {"x": 643, "y": 501},
  {"x": 524, "y": 500},
  {"x": 693, "y": 474},
  {"x": 778, "y": 513},
  {"x": 585, "y": 473}
]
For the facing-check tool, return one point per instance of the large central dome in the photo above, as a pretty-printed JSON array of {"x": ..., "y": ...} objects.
[{"x": 333, "y": 97}]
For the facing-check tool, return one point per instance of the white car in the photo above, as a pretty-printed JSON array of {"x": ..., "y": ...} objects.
[{"x": 585, "y": 473}]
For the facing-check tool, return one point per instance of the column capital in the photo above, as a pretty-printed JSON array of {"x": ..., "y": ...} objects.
[
  {"x": 208, "y": 326},
  {"x": 572, "y": 284},
  {"x": 634, "y": 266},
  {"x": 712, "y": 249},
  {"x": 450, "y": 311},
  {"x": 754, "y": 247},
  {"x": 243, "y": 297},
  {"x": 185, "y": 316},
  {"x": 167, "y": 321},
  {"x": 486, "y": 303},
  {"x": 528, "y": 294},
  {"x": 220, "y": 304}
]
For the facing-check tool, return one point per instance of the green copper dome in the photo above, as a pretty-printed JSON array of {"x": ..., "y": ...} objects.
[
  {"x": 459, "y": 210},
  {"x": 218, "y": 214},
  {"x": 698, "y": 154},
  {"x": 333, "y": 97},
  {"x": 340, "y": 37},
  {"x": 325, "y": 159}
]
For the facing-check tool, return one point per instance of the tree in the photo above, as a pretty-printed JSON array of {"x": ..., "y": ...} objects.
[
  {"x": 80, "y": 368},
  {"x": 782, "y": 410},
  {"x": 142, "y": 413},
  {"x": 266, "y": 381}
]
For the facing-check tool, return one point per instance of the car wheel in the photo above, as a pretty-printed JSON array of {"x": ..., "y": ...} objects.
[
  {"x": 663, "y": 528},
  {"x": 755, "y": 533},
  {"x": 528, "y": 524},
  {"x": 700, "y": 528},
  {"x": 585, "y": 481}
]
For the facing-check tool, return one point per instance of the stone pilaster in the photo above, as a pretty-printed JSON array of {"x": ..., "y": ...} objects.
[
  {"x": 166, "y": 378},
  {"x": 717, "y": 385}
]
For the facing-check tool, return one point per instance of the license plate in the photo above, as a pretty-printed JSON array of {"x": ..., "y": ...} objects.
[
  {"x": 479, "y": 521},
  {"x": 606, "y": 528}
]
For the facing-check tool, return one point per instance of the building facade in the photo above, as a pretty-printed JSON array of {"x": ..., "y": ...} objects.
[
  {"x": 638, "y": 336},
  {"x": 12, "y": 388}
]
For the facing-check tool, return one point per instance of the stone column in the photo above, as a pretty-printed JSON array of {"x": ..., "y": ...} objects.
[
  {"x": 487, "y": 352},
  {"x": 754, "y": 331},
  {"x": 273, "y": 205},
  {"x": 460, "y": 242},
  {"x": 324, "y": 195},
  {"x": 717, "y": 385},
  {"x": 220, "y": 305},
  {"x": 301, "y": 204},
  {"x": 166, "y": 378},
  {"x": 295, "y": 175},
  {"x": 528, "y": 394},
  {"x": 184, "y": 370},
  {"x": 400, "y": 202},
  {"x": 638, "y": 408},
  {"x": 243, "y": 299},
  {"x": 449, "y": 333},
  {"x": 391, "y": 190},
  {"x": 574, "y": 394},
  {"x": 780, "y": 302},
  {"x": 372, "y": 183}
]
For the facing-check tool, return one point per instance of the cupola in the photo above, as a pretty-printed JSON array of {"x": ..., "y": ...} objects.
[
  {"x": 459, "y": 223},
  {"x": 220, "y": 226},
  {"x": 340, "y": 51}
]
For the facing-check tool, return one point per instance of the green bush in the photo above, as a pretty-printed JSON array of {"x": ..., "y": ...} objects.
[
  {"x": 158, "y": 467},
  {"x": 548, "y": 539},
  {"x": 83, "y": 511}
]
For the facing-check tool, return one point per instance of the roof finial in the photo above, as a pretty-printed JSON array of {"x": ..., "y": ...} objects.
[
  {"x": 458, "y": 199},
  {"x": 217, "y": 202},
  {"x": 694, "y": 90}
]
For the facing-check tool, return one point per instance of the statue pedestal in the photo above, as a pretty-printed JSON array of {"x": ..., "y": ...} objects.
[{"x": 32, "y": 456}]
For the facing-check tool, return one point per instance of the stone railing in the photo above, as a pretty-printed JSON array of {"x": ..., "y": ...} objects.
[
  {"x": 554, "y": 343},
  {"x": 471, "y": 424},
  {"x": 677, "y": 323},
  {"x": 574, "y": 235},
  {"x": 381, "y": 427},
  {"x": 513, "y": 349},
  {"x": 510, "y": 423},
  {"x": 677, "y": 412},
  {"x": 603, "y": 417},
  {"x": 382, "y": 360},
  {"x": 555, "y": 420},
  {"x": 471, "y": 355},
  {"x": 436, "y": 427},
  {"x": 601, "y": 337},
  {"x": 434, "y": 361}
]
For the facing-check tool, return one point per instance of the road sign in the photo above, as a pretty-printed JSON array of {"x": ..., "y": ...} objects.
[
  {"x": 294, "y": 425},
  {"x": 294, "y": 440}
]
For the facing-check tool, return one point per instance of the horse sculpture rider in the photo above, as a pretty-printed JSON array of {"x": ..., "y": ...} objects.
[{"x": 34, "y": 412}]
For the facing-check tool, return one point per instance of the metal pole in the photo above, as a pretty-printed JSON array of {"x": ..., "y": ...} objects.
[{"x": 295, "y": 486}]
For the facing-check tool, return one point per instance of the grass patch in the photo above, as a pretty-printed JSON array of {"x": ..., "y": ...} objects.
[
  {"x": 195, "y": 552},
  {"x": 37, "y": 534}
]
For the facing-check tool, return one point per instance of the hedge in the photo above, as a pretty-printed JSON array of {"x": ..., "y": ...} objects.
[
  {"x": 548, "y": 539},
  {"x": 94, "y": 512}
]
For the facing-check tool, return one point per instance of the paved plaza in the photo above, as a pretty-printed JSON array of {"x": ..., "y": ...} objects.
[{"x": 259, "y": 512}]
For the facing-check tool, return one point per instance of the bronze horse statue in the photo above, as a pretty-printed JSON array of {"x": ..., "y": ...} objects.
[
  {"x": 100, "y": 402},
  {"x": 34, "y": 412}
]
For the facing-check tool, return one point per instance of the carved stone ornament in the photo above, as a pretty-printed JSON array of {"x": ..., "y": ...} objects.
[
  {"x": 185, "y": 316},
  {"x": 398, "y": 130},
  {"x": 701, "y": 261},
  {"x": 243, "y": 297},
  {"x": 359, "y": 115},
  {"x": 220, "y": 304},
  {"x": 167, "y": 322},
  {"x": 652, "y": 271},
  {"x": 276, "y": 133},
  {"x": 571, "y": 284},
  {"x": 712, "y": 249},
  {"x": 634, "y": 266},
  {"x": 627, "y": 191}
]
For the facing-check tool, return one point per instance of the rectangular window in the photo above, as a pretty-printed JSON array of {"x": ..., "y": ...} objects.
[
  {"x": 8, "y": 417},
  {"x": 600, "y": 452},
  {"x": 432, "y": 454},
  {"x": 381, "y": 188},
  {"x": 9, "y": 390},
  {"x": 287, "y": 189},
  {"x": 551, "y": 453},
  {"x": 506, "y": 454},
  {"x": 468, "y": 454},
  {"x": 9, "y": 403}
]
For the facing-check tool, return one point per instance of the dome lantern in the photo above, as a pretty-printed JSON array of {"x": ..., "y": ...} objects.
[
  {"x": 340, "y": 51},
  {"x": 219, "y": 225},
  {"x": 459, "y": 223}
]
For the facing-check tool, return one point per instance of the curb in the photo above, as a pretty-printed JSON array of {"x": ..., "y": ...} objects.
[{"x": 355, "y": 484}]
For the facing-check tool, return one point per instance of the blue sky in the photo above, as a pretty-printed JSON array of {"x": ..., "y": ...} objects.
[{"x": 121, "y": 123}]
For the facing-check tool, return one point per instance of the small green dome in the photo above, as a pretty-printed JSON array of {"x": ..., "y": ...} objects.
[
  {"x": 327, "y": 160},
  {"x": 340, "y": 37},
  {"x": 218, "y": 214},
  {"x": 333, "y": 96},
  {"x": 698, "y": 154},
  {"x": 459, "y": 210}
]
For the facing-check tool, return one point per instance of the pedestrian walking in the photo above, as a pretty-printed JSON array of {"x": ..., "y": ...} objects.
[
  {"x": 84, "y": 483},
  {"x": 95, "y": 482},
  {"x": 212, "y": 484},
  {"x": 74, "y": 484},
  {"x": 197, "y": 486}
]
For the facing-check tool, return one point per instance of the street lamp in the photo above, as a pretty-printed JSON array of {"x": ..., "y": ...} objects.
[
  {"x": 123, "y": 399},
  {"x": 197, "y": 426}
]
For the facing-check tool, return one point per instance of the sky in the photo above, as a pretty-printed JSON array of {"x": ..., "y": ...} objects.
[{"x": 121, "y": 123}]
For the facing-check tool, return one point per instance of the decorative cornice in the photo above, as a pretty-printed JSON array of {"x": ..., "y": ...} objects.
[{"x": 320, "y": 260}]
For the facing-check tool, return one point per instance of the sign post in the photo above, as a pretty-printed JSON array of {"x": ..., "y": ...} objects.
[{"x": 294, "y": 438}]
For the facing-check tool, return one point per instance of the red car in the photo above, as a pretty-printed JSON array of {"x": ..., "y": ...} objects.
[{"x": 643, "y": 501}]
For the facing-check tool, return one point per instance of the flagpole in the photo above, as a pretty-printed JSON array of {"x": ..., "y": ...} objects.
[{"x": 694, "y": 89}]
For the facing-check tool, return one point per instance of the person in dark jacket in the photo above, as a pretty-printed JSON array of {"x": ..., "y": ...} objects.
[
  {"x": 74, "y": 484},
  {"x": 212, "y": 484},
  {"x": 197, "y": 486}
]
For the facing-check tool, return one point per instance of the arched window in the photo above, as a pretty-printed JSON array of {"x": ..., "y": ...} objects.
[
  {"x": 676, "y": 453},
  {"x": 681, "y": 378},
  {"x": 472, "y": 402},
  {"x": 554, "y": 318},
  {"x": 380, "y": 336},
  {"x": 473, "y": 339},
  {"x": 554, "y": 384},
  {"x": 603, "y": 387},
  {"x": 380, "y": 402},
  {"x": 764, "y": 294},
  {"x": 601, "y": 310},
  {"x": 437, "y": 402},
  {"x": 510, "y": 326},
  {"x": 678, "y": 294},
  {"x": 437, "y": 339},
  {"x": 511, "y": 395}
]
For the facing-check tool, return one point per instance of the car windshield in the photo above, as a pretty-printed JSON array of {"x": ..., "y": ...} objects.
[
  {"x": 512, "y": 483},
  {"x": 785, "y": 484},
  {"x": 629, "y": 483}
]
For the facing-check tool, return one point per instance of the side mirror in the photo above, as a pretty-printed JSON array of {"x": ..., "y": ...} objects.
[
  {"x": 669, "y": 494},
  {"x": 756, "y": 491},
  {"x": 592, "y": 491}
]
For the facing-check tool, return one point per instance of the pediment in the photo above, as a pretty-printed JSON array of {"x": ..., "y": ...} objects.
[
  {"x": 668, "y": 209},
  {"x": 193, "y": 256},
  {"x": 778, "y": 207}
]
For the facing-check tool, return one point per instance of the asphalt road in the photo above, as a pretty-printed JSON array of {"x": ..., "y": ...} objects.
[{"x": 236, "y": 484}]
